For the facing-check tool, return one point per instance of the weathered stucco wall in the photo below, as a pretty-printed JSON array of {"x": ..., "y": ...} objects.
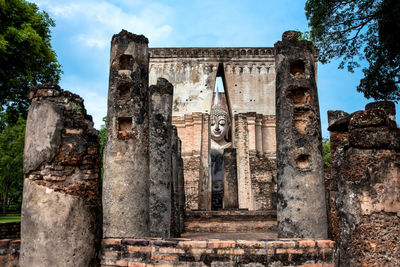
[{"x": 249, "y": 75}]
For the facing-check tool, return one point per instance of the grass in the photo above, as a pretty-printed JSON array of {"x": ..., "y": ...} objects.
[{"x": 10, "y": 218}]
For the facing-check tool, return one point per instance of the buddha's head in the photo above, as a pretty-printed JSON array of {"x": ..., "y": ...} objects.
[{"x": 220, "y": 122}]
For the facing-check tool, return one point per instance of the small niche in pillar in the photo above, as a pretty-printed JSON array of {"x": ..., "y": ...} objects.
[
  {"x": 302, "y": 120},
  {"x": 124, "y": 127},
  {"x": 303, "y": 162},
  {"x": 300, "y": 96},
  {"x": 123, "y": 91},
  {"x": 297, "y": 68},
  {"x": 125, "y": 62}
]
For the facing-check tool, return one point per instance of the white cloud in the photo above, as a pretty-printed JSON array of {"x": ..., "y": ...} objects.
[{"x": 95, "y": 21}]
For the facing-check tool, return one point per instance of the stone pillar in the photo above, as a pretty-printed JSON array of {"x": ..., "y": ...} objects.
[
  {"x": 251, "y": 126},
  {"x": 189, "y": 125},
  {"x": 365, "y": 156},
  {"x": 269, "y": 136},
  {"x": 338, "y": 126},
  {"x": 259, "y": 134},
  {"x": 175, "y": 223},
  {"x": 61, "y": 208},
  {"x": 160, "y": 158},
  {"x": 197, "y": 132},
  {"x": 301, "y": 210},
  {"x": 230, "y": 180},
  {"x": 181, "y": 188},
  {"x": 177, "y": 192},
  {"x": 126, "y": 155},
  {"x": 243, "y": 163},
  {"x": 204, "y": 181}
]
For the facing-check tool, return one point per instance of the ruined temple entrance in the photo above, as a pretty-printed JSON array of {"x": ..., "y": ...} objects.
[
  {"x": 248, "y": 76},
  {"x": 243, "y": 197}
]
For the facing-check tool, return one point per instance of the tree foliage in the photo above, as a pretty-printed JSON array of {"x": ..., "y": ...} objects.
[
  {"x": 11, "y": 163},
  {"x": 354, "y": 30},
  {"x": 326, "y": 152},
  {"x": 26, "y": 59},
  {"x": 26, "y": 55}
]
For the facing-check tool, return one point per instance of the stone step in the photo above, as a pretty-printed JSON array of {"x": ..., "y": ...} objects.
[{"x": 230, "y": 221}]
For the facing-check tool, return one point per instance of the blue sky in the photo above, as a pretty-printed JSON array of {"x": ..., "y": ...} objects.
[{"x": 84, "y": 29}]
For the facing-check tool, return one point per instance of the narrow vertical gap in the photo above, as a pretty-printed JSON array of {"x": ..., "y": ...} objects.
[{"x": 216, "y": 156}]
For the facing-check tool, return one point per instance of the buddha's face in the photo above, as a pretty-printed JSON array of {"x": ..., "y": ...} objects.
[{"x": 219, "y": 127}]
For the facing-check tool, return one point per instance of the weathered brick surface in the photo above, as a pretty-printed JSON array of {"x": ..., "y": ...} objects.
[
  {"x": 191, "y": 165},
  {"x": 215, "y": 252},
  {"x": 61, "y": 208},
  {"x": 301, "y": 202},
  {"x": 10, "y": 230},
  {"x": 74, "y": 167},
  {"x": 9, "y": 252},
  {"x": 365, "y": 188},
  {"x": 160, "y": 159},
  {"x": 230, "y": 221},
  {"x": 263, "y": 182},
  {"x": 126, "y": 153}
]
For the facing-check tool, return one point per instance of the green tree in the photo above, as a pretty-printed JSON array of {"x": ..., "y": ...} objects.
[
  {"x": 26, "y": 55},
  {"x": 326, "y": 152},
  {"x": 354, "y": 30},
  {"x": 11, "y": 163}
]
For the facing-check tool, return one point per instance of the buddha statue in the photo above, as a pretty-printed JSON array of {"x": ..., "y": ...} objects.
[{"x": 219, "y": 129}]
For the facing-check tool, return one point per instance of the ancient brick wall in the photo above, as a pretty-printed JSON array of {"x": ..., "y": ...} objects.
[
  {"x": 191, "y": 177},
  {"x": 365, "y": 188},
  {"x": 256, "y": 169},
  {"x": 215, "y": 252},
  {"x": 79, "y": 147},
  {"x": 193, "y": 132},
  {"x": 9, "y": 252},
  {"x": 10, "y": 230},
  {"x": 263, "y": 182},
  {"x": 187, "y": 252},
  {"x": 231, "y": 221}
]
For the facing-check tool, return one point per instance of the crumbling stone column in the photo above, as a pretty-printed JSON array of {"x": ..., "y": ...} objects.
[
  {"x": 301, "y": 196},
  {"x": 259, "y": 134},
  {"x": 251, "y": 127},
  {"x": 61, "y": 208},
  {"x": 126, "y": 155},
  {"x": 245, "y": 197},
  {"x": 181, "y": 188},
  {"x": 175, "y": 223},
  {"x": 230, "y": 179},
  {"x": 204, "y": 178},
  {"x": 177, "y": 192},
  {"x": 268, "y": 136},
  {"x": 365, "y": 156},
  {"x": 160, "y": 158}
]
